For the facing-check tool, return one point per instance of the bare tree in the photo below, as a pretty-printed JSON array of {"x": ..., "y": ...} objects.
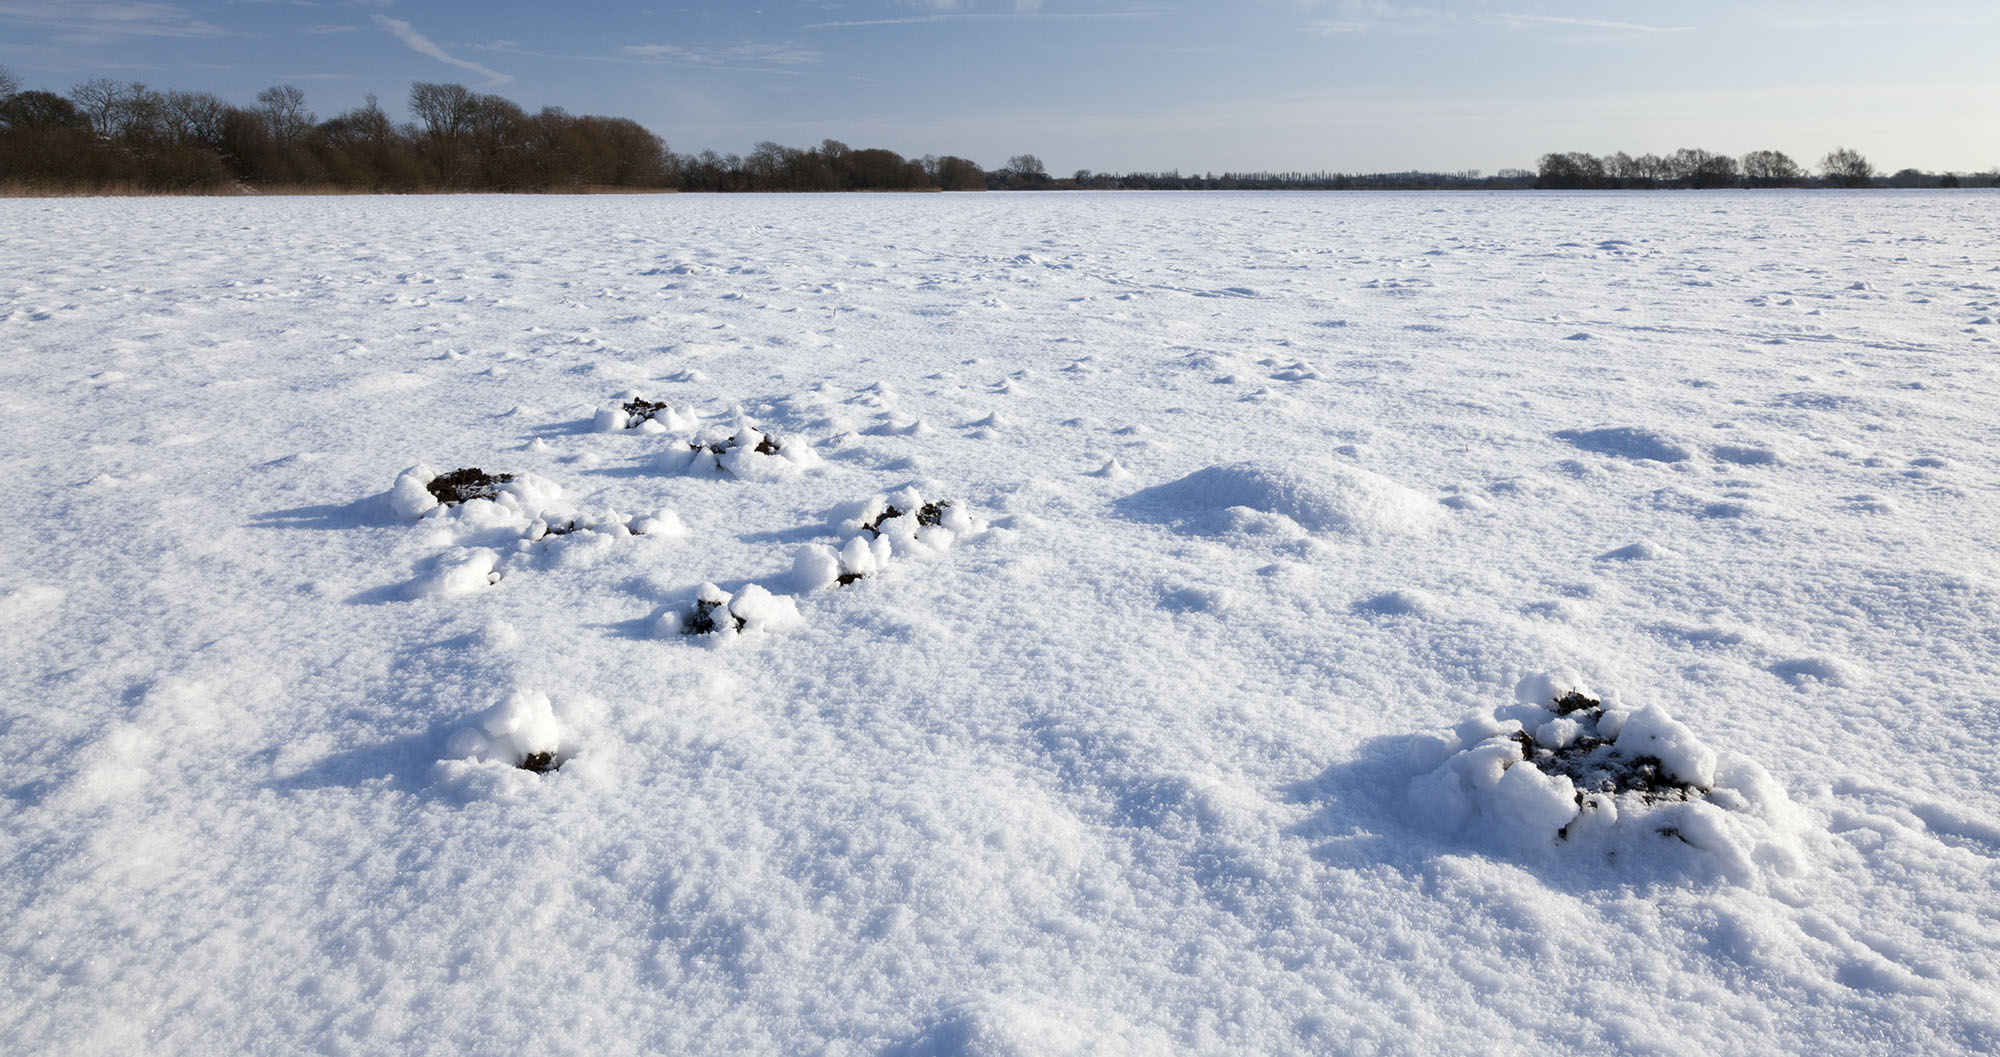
[
  {"x": 1694, "y": 167},
  {"x": 283, "y": 108},
  {"x": 1573, "y": 171},
  {"x": 1026, "y": 170},
  {"x": 445, "y": 109},
  {"x": 97, "y": 100},
  {"x": 9, "y": 84},
  {"x": 195, "y": 118},
  {"x": 1845, "y": 167},
  {"x": 1771, "y": 168}
]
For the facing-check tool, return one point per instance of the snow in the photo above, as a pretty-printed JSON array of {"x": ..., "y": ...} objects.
[
  {"x": 1202, "y": 694},
  {"x": 1318, "y": 497}
]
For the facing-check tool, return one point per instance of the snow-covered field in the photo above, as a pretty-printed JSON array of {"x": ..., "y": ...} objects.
[{"x": 1316, "y": 624}]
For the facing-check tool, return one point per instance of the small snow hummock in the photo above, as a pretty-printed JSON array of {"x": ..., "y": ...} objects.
[
  {"x": 744, "y": 451},
  {"x": 816, "y": 566},
  {"x": 1561, "y": 767},
  {"x": 662, "y": 522},
  {"x": 632, "y": 411},
  {"x": 718, "y": 614},
  {"x": 1317, "y": 495},
  {"x": 460, "y": 571},
  {"x": 519, "y": 732}
]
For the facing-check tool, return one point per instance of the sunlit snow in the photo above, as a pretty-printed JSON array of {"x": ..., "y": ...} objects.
[{"x": 984, "y": 625}]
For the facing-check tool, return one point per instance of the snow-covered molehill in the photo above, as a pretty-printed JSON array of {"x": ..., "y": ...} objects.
[
  {"x": 1561, "y": 767},
  {"x": 489, "y": 524},
  {"x": 903, "y": 523},
  {"x": 476, "y": 495},
  {"x": 634, "y": 412},
  {"x": 719, "y": 616},
  {"x": 741, "y": 451},
  {"x": 1319, "y": 496}
]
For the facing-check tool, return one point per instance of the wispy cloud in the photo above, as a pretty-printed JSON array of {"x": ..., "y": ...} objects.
[
  {"x": 1022, "y": 9},
  {"x": 771, "y": 54},
  {"x": 754, "y": 57},
  {"x": 89, "y": 21},
  {"x": 423, "y": 45},
  {"x": 321, "y": 31},
  {"x": 1368, "y": 16},
  {"x": 1516, "y": 21}
]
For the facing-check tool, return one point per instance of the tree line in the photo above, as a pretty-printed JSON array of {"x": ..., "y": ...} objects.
[
  {"x": 1693, "y": 168},
  {"x": 108, "y": 135}
]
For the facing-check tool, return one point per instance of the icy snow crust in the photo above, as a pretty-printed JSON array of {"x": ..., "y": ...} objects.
[{"x": 1199, "y": 697}]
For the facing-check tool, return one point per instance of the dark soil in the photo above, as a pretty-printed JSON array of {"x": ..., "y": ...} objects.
[
  {"x": 463, "y": 485},
  {"x": 1595, "y": 765},
  {"x": 639, "y": 409},
  {"x": 767, "y": 446},
  {"x": 539, "y": 762},
  {"x": 928, "y": 514},
  {"x": 847, "y": 578},
  {"x": 1575, "y": 702},
  {"x": 889, "y": 513},
  {"x": 703, "y": 621}
]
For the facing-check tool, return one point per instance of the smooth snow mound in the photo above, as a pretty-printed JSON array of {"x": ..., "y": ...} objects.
[{"x": 1319, "y": 496}]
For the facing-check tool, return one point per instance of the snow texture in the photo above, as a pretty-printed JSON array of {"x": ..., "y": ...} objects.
[{"x": 1200, "y": 696}]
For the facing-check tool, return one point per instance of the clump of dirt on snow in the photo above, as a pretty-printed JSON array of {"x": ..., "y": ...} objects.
[
  {"x": 421, "y": 491},
  {"x": 465, "y": 484}
]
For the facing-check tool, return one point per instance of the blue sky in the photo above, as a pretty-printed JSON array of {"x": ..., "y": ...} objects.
[{"x": 1113, "y": 85}]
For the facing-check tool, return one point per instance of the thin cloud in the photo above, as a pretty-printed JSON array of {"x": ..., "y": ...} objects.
[
  {"x": 1367, "y": 16},
  {"x": 780, "y": 59},
  {"x": 422, "y": 45},
  {"x": 321, "y": 31},
  {"x": 90, "y": 20},
  {"x": 1515, "y": 21},
  {"x": 749, "y": 53},
  {"x": 1023, "y": 10}
]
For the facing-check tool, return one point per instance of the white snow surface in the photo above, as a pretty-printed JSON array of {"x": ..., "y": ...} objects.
[{"x": 1267, "y": 515}]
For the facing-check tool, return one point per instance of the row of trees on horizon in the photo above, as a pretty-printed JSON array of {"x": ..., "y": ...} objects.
[
  {"x": 107, "y": 135},
  {"x": 1692, "y": 168}
]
